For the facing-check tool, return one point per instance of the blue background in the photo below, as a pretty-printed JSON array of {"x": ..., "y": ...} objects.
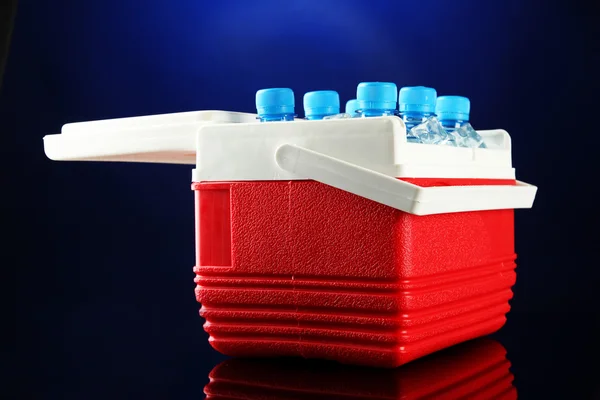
[{"x": 103, "y": 252}]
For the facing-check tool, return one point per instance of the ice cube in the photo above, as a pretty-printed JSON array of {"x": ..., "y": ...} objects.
[
  {"x": 338, "y": 116},
  {"x": 468, "y": 137},
  {"x": 432, "y": 132}
]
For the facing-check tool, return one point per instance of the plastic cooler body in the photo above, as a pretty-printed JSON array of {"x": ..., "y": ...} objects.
[
  {"x": 308, "y": 244},
  {"x": 300, "y": 268}
]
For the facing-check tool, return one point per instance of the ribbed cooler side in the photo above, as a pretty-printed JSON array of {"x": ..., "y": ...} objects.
[
  {"x": 317, "y": 272},
  {"x": 474, "y": 370}
]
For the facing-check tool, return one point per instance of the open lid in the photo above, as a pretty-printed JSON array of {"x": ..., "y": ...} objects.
[
  {"x": 162, "y": 138},
  {"x": 364, "y": 156}
]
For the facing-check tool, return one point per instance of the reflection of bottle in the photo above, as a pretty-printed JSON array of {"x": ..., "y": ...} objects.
[
  {"x": 477, "y": 369},
  {"x": 276, "y": 104}
]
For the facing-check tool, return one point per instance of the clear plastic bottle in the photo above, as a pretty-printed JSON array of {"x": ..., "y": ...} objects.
[
  {"x": 417, "y": 107},
  {"x": 275, "y": 104},
  {"x": 376, "y": 99},
  {"x": 320, "y": 104},
  {"x": 351, "y": 106},
  {"x": 453, "y": 113}
]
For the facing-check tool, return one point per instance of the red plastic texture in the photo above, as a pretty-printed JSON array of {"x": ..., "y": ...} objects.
[
  {"x": 474, "y": 370},
  {"x": 299, "y": 268}
]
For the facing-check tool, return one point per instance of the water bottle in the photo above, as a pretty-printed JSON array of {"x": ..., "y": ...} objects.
[
  {"x": 453, "y": 113},
  {"x": 276, "y": 104},
  {"x": 320, "y": 104},
  {"x": 417, "y": 107},
  {"x": 376, "y": 99},
  {"x": 351, "y": 107}
]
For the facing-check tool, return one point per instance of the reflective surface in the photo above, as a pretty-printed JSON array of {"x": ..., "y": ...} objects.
[
  {"x": 474, "y": 370},
  {"x": 107, "y": 346}
]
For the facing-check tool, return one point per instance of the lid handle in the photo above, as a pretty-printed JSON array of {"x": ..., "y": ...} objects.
[{"x": 399, "y": 194}]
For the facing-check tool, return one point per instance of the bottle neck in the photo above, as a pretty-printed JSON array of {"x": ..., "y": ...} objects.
[
  {"x": 316, "y": 117},
  {"x": 453, "y": 123},
  {"x": 376, "y": 112},
  {"x": 413, "y": 118},
  {"x": 275, "y": 117}
]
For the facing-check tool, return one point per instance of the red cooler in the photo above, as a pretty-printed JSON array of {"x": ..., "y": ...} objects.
[{"x": 333, "y": 239}]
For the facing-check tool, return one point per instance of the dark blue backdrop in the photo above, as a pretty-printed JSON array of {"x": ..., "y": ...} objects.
[{"x": 103, "y": 251}]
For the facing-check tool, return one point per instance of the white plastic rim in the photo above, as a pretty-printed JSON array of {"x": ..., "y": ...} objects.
[{"x": 244, "y": 152}]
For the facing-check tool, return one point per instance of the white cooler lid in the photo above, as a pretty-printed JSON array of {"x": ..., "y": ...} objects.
[
  {"x": 363, "y": 156},
  {"x": 162, "y": 138}
]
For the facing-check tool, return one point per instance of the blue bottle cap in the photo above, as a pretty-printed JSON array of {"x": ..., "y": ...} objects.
[
  {"x": 275, "y": 101},
  {"x": 321, "y": 102},
  {"x": 453, "y": 107},
  {"x": 351, "y": 106},
  {"x": 377, "y": 95},
  {"x": 417, "y": 99}
]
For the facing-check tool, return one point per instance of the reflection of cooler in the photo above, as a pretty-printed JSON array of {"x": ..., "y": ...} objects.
[
  {"x": 475, "y": 370},
  {"x": 337, "y": 239}
]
